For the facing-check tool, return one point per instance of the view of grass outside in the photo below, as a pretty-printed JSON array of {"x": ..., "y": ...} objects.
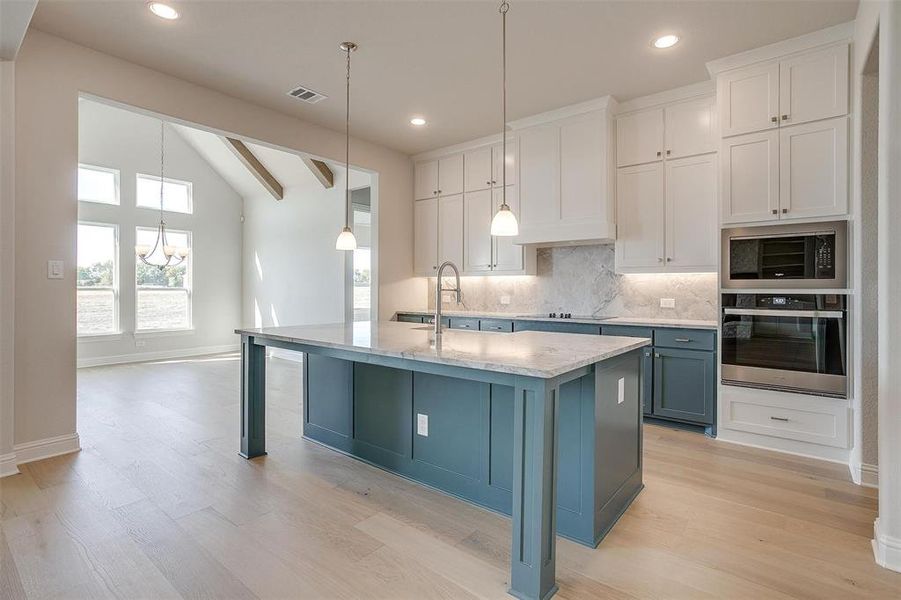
[
  {"x": 96, "y": 279},
  {"x": 362, "y": 288}
]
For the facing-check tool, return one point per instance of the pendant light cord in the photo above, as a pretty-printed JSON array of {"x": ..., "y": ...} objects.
[
  {"x": 505, "y": 6},
  {"x": 162, "y": 163},
  {"x": 347, "y": 146}
]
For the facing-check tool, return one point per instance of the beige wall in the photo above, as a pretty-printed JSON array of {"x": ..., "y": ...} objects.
[
  {"x": 7, "y": 267},
  {"x": 50, "y": 73}
]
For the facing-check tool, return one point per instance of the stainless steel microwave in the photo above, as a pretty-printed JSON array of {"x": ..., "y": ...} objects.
[{"x": 794, "y": 255}]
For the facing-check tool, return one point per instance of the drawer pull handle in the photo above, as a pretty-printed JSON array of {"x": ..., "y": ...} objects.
[
  {"x": 783, "y": 419},
  {"x": 683, "y": 340}
]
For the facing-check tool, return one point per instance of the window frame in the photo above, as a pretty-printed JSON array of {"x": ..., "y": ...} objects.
[
  {"x": 188, "y": 184},
  {"x": 189, "y": 287},
  {"x": 117, "y": 324},
  {"x": 117, "y": 183}
]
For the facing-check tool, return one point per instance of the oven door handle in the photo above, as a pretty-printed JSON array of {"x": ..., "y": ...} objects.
[{"x": 764, "y": 312}]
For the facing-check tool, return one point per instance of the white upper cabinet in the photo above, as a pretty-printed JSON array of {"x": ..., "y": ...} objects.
[
  {"x": 640, "y": 217},
  {"x": 565, "y": 189},
  {"x": 508, "y": 256},
  {"x": 497, "y": 162},
  {"x": 425, "y": 236},
  {"x": 478, "y": 167},
  {"x": 450, "y": 229},
  {"x": 690, "y": 128},
  {"x": 425, "y": 175},
  {"x": 749, "y": 99},
  {"x": 813, "y": 169},
  {"x": 692, "y": 227},
  {"x": 478, "y": 210},
  {"x": 450, "y": 175},
  {"x": 750, "y": 177},
  {"x": 639, "y": 137},
  {"x": 813, "y": 85}
]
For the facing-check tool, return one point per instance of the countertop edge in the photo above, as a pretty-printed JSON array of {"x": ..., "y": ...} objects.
[{"x": 629, "y": 321}]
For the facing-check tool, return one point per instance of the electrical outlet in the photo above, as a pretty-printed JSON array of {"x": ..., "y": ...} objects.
[
  {"x": 621, "y": 390},
  {"x": 422, "y": 425},
  {"x": 667, "y": 303},
  {"x": 505, "y": 300},
  {"x": 140, "y": 343}
]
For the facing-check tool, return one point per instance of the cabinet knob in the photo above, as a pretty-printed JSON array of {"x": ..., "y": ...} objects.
[
  {"x": 785, "y": 117},
  {"x": 783, "y": 419},
  {"x": 775, "y": 212},
  {"x": 488, "y": 182},
  {"x": 774, "y": 119},
  {"x": 784, "y": 210},
  {"x": 659, "y": 153},
  {"x": 493, "y": 182},
  {"x": 659, "y": 259},
  {"x": 668, "y": 152},
  {"x": 669, "y": 259},
  {"x": 439, "y": 191}
]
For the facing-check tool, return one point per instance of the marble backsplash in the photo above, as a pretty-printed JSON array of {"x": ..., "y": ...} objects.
[{"x": 581, "y": 280}]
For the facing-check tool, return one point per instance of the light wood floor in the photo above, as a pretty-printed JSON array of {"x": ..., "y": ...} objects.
[{"x": 159, "y": 505}]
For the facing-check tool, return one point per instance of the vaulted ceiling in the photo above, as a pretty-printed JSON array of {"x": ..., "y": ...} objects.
[{"x": 438, "y": 59}]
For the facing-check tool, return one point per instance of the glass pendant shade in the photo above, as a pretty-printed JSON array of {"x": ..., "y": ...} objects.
[
  {"x": 504, "y": 223},
  {"x": 346, "y": 240}
]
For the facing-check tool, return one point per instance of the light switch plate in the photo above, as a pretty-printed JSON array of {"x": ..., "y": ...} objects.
[
  {"x": 621, "y": 390},
  {"x": 422, "y": 425},
  {"x": 667, "y": 303},
  {"x": 54, "y": 269}
]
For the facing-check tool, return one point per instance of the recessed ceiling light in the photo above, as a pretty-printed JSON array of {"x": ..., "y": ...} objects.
[
  {"x": 666, "y": 41},
  {"x": 163, "y": 11},
  {"x": 418, "y": 121}
]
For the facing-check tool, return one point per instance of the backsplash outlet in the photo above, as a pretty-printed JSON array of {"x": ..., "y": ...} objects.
[{"x": 581, "y": 280}]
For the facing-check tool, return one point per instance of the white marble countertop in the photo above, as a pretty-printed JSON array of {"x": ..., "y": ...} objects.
[
  {"x": 637, "y": 321},
  {"x": 529, "y": 353}
]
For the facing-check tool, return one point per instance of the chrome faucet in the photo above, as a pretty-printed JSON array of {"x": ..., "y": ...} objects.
[{"x": 439, "y": 290}]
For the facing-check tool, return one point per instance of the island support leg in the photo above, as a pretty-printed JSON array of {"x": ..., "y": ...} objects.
[
  {"x": 533, "y": 559},
  {"x": 253, "y": 398}
]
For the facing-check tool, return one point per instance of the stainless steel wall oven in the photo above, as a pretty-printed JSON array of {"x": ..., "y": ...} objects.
[{"x": 794, "y": 342}]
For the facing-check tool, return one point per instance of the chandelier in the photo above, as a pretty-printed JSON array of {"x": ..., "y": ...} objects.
[
  {"x": 161, "y": 254},
  {"x": 504, "y": 222}
]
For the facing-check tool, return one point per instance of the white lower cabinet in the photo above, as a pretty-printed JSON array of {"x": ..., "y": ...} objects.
[
  {"x": 692, "y": 226},
  {"x": 640, "y": 217},
  {"x": 425, "y": 237}
]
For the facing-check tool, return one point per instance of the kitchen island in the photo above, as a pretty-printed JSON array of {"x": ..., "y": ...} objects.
[{"x": 543, "y": 426}]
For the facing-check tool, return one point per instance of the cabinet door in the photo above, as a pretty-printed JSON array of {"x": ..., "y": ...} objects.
[
  {"x": 507, "y": 255},
  {"x": 691, "y": 128},
  {"x": 425, "y": 175},
  {"x": 749, "y": 99},
  {"x": 684, "y": 385},
  {"x": 497, "y": 160},
  {"x": 583, "y": 173},
  {"x": 425, "y": 236},
  {"x": 450, "y": 175},
  {"x": 750, "y": 177},
  {"x": 539, "y": 176},
  {"x": 640, "y": 216},
  {"x": 639, "y": 137},
  {"x": 813, "y": 169},
  {"x": 477, "y": 165},
  {"x": 450, "y": 229},
  {"x": 647, "y": 380},
  {"x": 692, "y": 225},
  {"x": 814, "y": 85},
  {"x": 478, "y": 210}
]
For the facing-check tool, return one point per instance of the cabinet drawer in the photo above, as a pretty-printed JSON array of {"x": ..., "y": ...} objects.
[
  {"x": 464, "y": 323},
  {"x": 409, "y": 318},
  {"x": 558, "y": 326},
  {"x": 496, "y": 325},
  {"x": 690, "y": 339},
  {"x": 628, "y": 331},
  {"x": 792, "y": 416}
]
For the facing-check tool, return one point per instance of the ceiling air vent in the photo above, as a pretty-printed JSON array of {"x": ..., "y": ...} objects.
[{"x": 307, "y": 95}]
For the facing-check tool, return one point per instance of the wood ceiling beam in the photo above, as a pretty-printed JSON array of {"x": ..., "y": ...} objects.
[
  {"x": 256, "y": 168},
  {"x": 321, "y": 171}
]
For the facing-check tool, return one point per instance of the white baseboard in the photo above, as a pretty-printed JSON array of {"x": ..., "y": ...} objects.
[
  {"x": 887, "y": 549},
  {"x": 46, "y": 448},
  {"x": 8, "y": 464},
  {"x": 765, "y": 442},
  {"x": 137, "y": 357},
  {"x": 865, "y": 474}
]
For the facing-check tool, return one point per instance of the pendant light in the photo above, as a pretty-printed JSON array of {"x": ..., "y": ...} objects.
[
  {"x": 504, "y": 221},
  {"x": 346, "y": 239},
  {"x": 161, "y": 254}
]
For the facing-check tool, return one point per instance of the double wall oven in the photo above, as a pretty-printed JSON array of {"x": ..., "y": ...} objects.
[{"x": 779, "y": 329}]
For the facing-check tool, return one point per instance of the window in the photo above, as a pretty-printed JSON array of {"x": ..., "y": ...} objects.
[
  {"x": 177, "y": 195},
  {"x": 163, "y": 296},
  {"x": 361, "y": 264},
  {"x": 98, "y": 184},
  {"x": 98, "y": 297}
]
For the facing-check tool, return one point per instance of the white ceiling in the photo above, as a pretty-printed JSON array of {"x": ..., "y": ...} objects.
[{"x": 440, "y": 59}]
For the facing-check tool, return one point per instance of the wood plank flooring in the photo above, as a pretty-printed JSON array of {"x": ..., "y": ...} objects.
[{"x": 158, "y": 505}]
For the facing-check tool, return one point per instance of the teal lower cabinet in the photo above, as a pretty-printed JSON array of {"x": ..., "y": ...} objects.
[
  {"x": 406, "y": 318},
  {"x": 684, "y": 385},
  {"x": 557, "y": 326},
  {"x": 457, "y": 434}
]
